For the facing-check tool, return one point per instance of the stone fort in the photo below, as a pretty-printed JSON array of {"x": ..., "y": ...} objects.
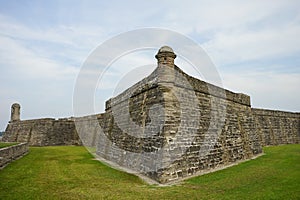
[{"x": 167, "y": 126}]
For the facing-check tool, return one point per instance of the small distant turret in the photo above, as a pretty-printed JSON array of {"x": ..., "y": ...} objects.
[{"x": 15, "y": 112}]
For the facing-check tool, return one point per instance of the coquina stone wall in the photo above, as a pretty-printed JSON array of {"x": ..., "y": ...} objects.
[
  {"x": 11, "y": 153},
  {"x": 173, "y": 129},
  {"x": 277, "y": 127},
  {"x": 42, "y": 132},
  {"x": 170, "y": 125},
  {"x": 88, "y": 129},
  {"x": 167, "y": 126}
]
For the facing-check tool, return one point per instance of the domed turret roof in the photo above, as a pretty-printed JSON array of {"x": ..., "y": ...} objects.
[
  {"x": 165, "y": 49},
  {"x": 15, "y": 105}
]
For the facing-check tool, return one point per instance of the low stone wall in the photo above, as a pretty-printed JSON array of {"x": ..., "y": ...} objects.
[
  {"x": 43, "y": 132},
  {"x": 11, "y": 153}
]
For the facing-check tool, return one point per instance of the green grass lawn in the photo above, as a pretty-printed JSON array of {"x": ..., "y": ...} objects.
[
  {"x": 69, "y": 172},
  {"x": 7, "y": 144}
]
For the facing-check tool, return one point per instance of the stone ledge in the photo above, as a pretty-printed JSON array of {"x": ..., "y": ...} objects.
[{"x": 11, "y": 153}]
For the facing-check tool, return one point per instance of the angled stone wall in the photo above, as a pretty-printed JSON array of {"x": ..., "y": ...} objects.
[
  {"x": 177, "y": 126},
  {"x": 88, "y": 129},
  {"x": 168, "y": 126}
]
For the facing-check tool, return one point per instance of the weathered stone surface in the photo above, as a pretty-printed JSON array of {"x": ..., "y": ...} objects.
[
  {"x": 11, "y": 153},
  {"x": 277, "y": 127},
  {"x": 42, "y": 132},
  {"x": 186, "y": 144},
  {"x": 15, "y": 112},
  {"x": 168, "y": 126},
  {"x": 88, "y": 128}
]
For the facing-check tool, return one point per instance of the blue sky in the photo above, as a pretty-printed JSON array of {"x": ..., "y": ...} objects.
[{"x": 255, "y": 46}]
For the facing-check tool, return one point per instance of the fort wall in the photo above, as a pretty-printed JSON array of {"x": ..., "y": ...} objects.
[
  {"x": 168, "y": 126},
  {"x": 204, "y": 127},
  {"x": 277, "y": 127},
  {"x": 42, "y": 132}
]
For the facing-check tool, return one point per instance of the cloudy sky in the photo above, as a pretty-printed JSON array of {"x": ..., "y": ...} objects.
[{"x": 255, "y": 46}]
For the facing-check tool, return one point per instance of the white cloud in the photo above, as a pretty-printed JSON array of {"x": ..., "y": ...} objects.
[
  {"x": 234, "y": 47},
  {"x": 203, "y": 16},
  {"x": 23, "y": 63},
  {"x": 42, "y": 53},
  {"x": 266, "y": 89}
]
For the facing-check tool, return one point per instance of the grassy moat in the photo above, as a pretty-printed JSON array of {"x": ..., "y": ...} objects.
[{"x": 70, "y": 172}]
